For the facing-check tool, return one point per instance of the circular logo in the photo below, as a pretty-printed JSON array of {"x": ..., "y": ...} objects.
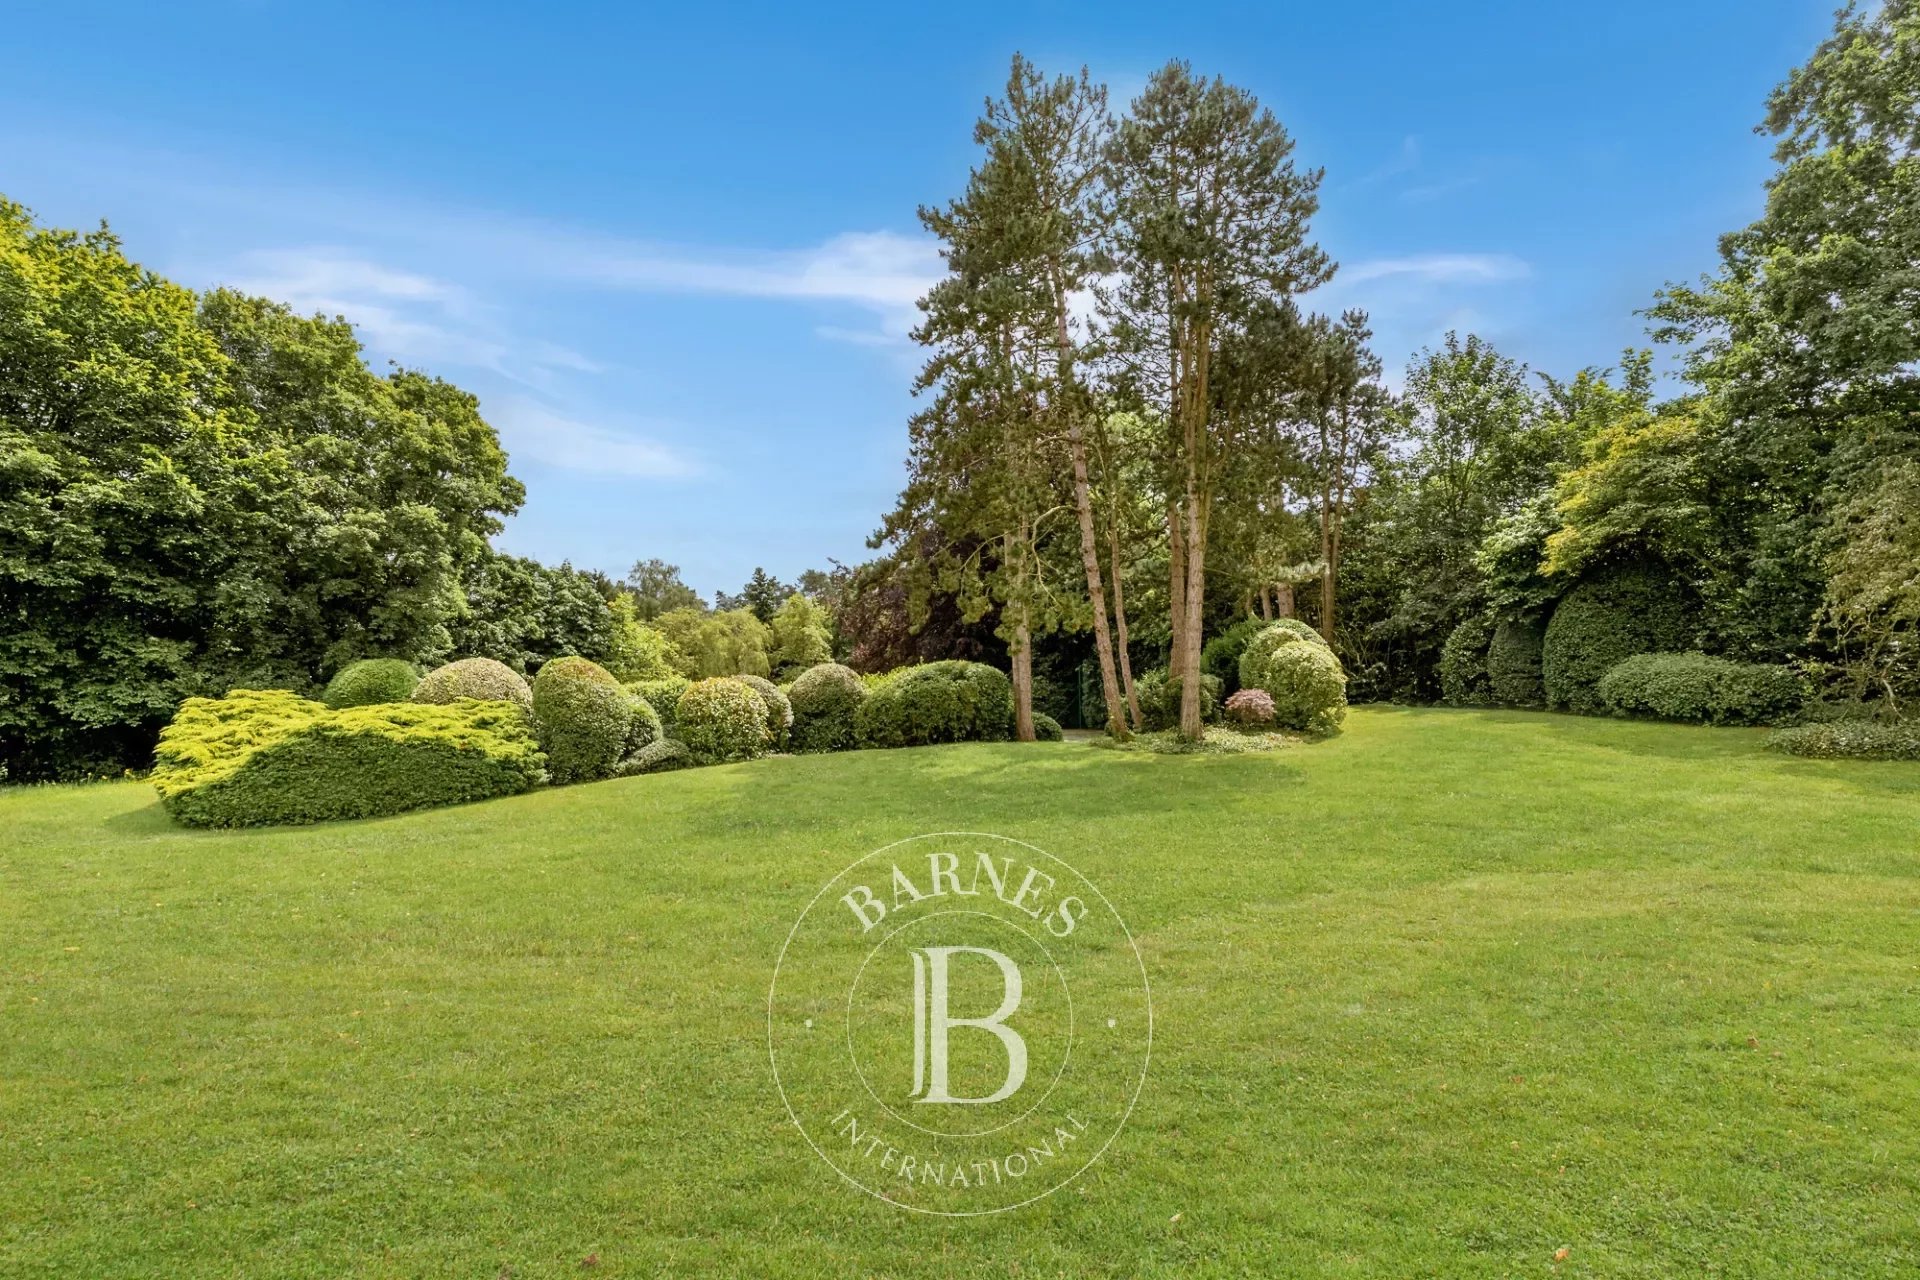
[{"x": 959, "y": 1023}]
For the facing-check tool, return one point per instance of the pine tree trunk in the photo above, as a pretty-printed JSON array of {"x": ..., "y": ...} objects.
[
  {"x": 1283, "y": 599},
  {"x": 1176, "y": 586},
  {"x": 1022, "y": 680},
  {"x": 1120, "y": 627}
]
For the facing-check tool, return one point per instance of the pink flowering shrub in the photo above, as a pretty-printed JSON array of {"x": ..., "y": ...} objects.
[{"x": 1251, "y": 707}]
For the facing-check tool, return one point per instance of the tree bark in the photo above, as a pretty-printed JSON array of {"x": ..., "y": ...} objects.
[
  {"x": 1176, "y": 585},
  {"x": 1283, "y": 599},
  {"x": 1120, "y": 626},
  {"x": 1022, "y": 679}
]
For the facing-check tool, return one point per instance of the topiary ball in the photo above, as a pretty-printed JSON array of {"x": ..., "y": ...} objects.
[
  {"x": 582, "y": 716},
  {"x": 1307, "y": 685},
  {"x": 1268, "y": 641},
  {"x": 481, "y": 678},
  {"x": 370, "y": 681},
  {"x": 779, "y": 709},
  {"x": 722, "y": 719},
  {"x": 824, "y": 700},
  {"x": 1046, "y": 728}
]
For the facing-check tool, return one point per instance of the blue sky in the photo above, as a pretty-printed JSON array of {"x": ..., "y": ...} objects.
[{"x": 675, "y": 252}]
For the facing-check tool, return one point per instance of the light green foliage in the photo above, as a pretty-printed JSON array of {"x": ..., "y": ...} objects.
[
  {"x": 800, "y": 636},
  {"x": 583, "y": 717},
  {"x": 1159, "y": 699},
  {"x": 371, "y": 680},
  {"x": 663, "y": 695},
  {"x": 1464, "y": 677},
  {"x": 1308, "y": 687},
  {"x": 481, "y": 678},
  {"x": 937, "y": 702},
  {"x": 644, "y": 728},
  {"x": 1513, "y": 663},
  {"x": 638, "y": 651},
  {"x": 1702, "y": 689},
  {"x": 1256, "y": 657},
  {"x": 1047, "y": 729},
  {"x": 779, "y": 710},
  {"x": 257, "y": 758},
  {"x": 1639, "y": 609},
  {"x": 1850, "y": 740},
  {"x": 825, "y": 699},
  {"x": 1872, "y": 603},
  {"x": 722, "y": 718},
  {"x": 729, "y": 643}
]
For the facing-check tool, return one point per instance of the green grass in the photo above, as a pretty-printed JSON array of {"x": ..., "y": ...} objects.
[{"x": 1439, "y": 997}]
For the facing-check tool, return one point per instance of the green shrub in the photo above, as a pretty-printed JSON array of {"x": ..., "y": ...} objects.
[
  {"x": 1047, "y": 729},
  {"x": 479, "y": 678},
  {"x": 779, "y": 710},
  {"x": 657, "y": 756},
  {"x": 825, "y": 699},
  {"x": 370, "y": 681},
  {"x": 582, "y": 715},
  {"x": 256, "y": 758},
  {"x": 663, "y": 695},
  {"x": 1220, "y": 656},
  {"x": 1269, "y": 640},
  {"x": 1464, "y": 678},
  {"x": 644, "y": 729},
  {"x": 937, "y": 702},
  {"x": 1307, "y": 685},
  {"x": 1513, "y": 664},
  {"x": 1698, "y": 688},
  {"x": 1159, "y": 700},
  {"x": 1607, "y": 619},
  {"x": 1850, "y": 740},
  {"x": 722, "y": 719}
]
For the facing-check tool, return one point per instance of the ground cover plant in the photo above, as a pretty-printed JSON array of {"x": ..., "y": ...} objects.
[{"x": 1448, "y": 994}]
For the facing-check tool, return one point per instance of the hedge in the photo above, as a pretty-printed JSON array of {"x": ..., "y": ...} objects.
[
  {"x": 256, "y": 758},
  {"x": 1605, "y": 620},
  {"x": 779, "y": 709},
  {"x": 722, "y": 719},
  {"x": 370, "y": 681},
  {"x": 1702, "y": 689},
  {"x": 1850, "y": 740},
  {"x": 1464, "y": 678},
  {"x": 825, "y": 699},
  {"x": 479, "y": 678},
  {"x": 1513, "y": 664},
  {"x": 937, "y": 702},
  {"x": 583, "y": 716}
]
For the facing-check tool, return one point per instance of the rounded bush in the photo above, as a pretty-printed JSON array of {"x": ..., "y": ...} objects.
[
  {"x": 657, "y": 756},
  {"x": 1850, "y": 740},
  {"x": 583, "y": 716},
  {"x": 1047, "y": 729},
  {"x": 371, "y": 681},
  {"x": 779, "y": 709},
  {"x": 1159, "y": 699},
  {"x": 1307, "y": 685},
  {"x": 1464, "y": 678},
  {"x": 663, "y": 695},
  {"x": 937, "y": 702},
  {"x": 1513, "y": 664},
  {"x": 1604, "y": 620},
  {"x": 1702, "y": 689},
  {"x": 481, "y": 678},
  {"x": 1269, "y": 640},
  {"x": 825, "y": 699},
  {"x": 722, "y": 719},
  {"x": 1251, "y": 708},
  {"x": 645, "y": 728}
]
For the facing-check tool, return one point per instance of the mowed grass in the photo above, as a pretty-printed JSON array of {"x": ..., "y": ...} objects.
[{"x": 1445, "y": 996}]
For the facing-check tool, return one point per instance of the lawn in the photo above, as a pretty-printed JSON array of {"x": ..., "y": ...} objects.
[{"x": 1445, "y": 996}]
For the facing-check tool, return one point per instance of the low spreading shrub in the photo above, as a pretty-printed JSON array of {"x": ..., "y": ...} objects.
[
  {"x": 937, "y": 702},
  {"x": 480, "y": 678},
  {"x": 1464, "y": 677},
  {"x": 582, "y": 715},
  {"x": 256, "y": 758},
  {"x": 1047, "y": 729},
  {"x": 1850, "y": 740},
  {"x": 663, "y": 695},
  {"x": 1251, "y": 708},
  {"x": 370, "y": 681},
  {"x": 1696, "y": 687},
  {"x": 825, "y": 699},
  {"x": 1606, "y": 620},
  {"x": 1513, "y": 664},
  {"x": 1307, "y": 685},
  {"x": 779, "y": 710},
  {"x": 657, "y": 757},
  {"x": 722, "y": 719},
  {"x": 1159, "y": 699}
]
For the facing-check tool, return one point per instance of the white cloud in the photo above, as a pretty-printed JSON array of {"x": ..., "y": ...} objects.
[
  {"x": 1438, "y": 268},
  {"x": 534, "y": 431}
]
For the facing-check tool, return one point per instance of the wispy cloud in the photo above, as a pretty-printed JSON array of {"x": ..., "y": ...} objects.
[
  {"x": 1438, "y": 268},
  {"x": 532, "y": 430}
]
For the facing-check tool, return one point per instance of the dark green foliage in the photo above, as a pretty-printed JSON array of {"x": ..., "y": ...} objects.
[
  {"x": 1308, "y": 686},
  {"x": 1704, "y": 690},
  {"x": 825, "y": 699},
  {"x": 258, "y": 758},
  {"x": 663, "y": 695},
  {"x": 583, "y": 716},
  {"x": 779, "y": 709},
  {"x": 524, "y": 613},
  {"x": 369, "y": 681},
  {"x": 1220, "y": 656},
  {"x": 1465, "y": 680},
  {"x": 1047, "y": 729},
  {"x": 657, "y": 757},
  {"x": 480, "y": 678},
  {"x": 1850, "y": 740},
  {"x": 644, "y": 728},
  {"x": 937, "y": 702},
  {"x": 1513, "y": 664},
  {"x": 1607, "y": 619},
  {"x": 722, "y": 719},
  {"x": 1159, "y": 699}
]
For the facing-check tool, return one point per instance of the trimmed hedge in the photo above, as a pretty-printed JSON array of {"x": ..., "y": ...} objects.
[
  {"x": 1850, "y": 740},
  {"x": 825, "y": 700},
  {"x": 1307, "y": 684},
  {"x": 257, "y": 758},
  {"x": 663, "y": 695},
  {"x": 583, "y": 716},
  {"x": 1464, "y": 678},
  {"x": 1513, "y": 664},
  {"x": 1606, "y": 620},
  {"x": 370, "y": 681},
  {"x": 722, "y": 719},
  {"x": 1702, "y": 689},
  {"x": 479, "y": 678},
  {"x": 1047, "y": 729},
  {"x": 948, "y": 701},
  {"x": 779, "y": 709}
]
